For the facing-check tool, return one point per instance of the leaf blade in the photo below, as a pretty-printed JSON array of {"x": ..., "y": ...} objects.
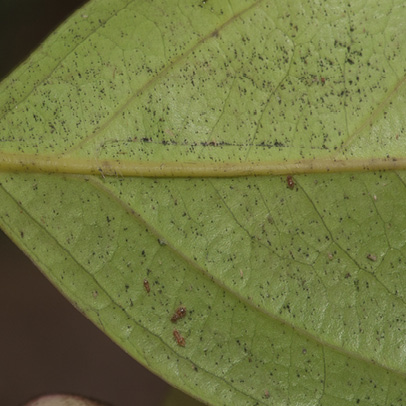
[{"x": 296, "y": 332}]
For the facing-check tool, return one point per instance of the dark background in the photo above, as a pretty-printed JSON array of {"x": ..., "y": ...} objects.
[{"x": 46, "y": 345}]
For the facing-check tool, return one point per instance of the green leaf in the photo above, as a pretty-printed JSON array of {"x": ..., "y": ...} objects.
[{"x": 294, "y": 291}]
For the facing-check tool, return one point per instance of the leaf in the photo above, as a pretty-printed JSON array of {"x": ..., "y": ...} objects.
[
  {"x": 294, "y": 291},
  {"x": 63, "y": 400}
]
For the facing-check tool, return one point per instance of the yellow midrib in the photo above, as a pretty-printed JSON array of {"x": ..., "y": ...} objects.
[{"x": 61, "y": 164}]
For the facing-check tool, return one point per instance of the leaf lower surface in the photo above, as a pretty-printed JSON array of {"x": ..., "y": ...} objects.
[{"x": 294, "y": 296}]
